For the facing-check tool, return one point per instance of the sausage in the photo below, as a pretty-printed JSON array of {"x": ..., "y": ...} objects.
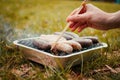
[
  {"x": 75, "y": 45},
  {"x": 66, "y": 36},
  {"x": 41, "y": 44},
  {"x": 94, "y": 39},
  {"x": 62, "y": 47},
  {"x": 84, "y": 42},
  {"x": 72, "y": 34},
  {"x": 52, "y": 38}
]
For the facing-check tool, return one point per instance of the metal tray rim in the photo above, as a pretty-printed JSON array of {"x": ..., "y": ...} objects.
[{"x": 52, "y": 55}]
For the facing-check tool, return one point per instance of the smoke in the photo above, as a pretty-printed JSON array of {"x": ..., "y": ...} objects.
[
  {"x": 5, "y": 30},
  {"x": 8, "y": 32},
  {"x": 27, "y": 32}
]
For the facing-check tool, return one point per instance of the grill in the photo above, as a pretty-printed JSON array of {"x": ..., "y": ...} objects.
[{"x": 45, "y": 57}]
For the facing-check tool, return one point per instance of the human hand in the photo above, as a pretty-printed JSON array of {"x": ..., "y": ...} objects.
[{"x": 90, "y": 16}]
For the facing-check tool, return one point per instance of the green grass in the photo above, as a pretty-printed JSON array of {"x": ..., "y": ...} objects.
[{"x": 26, "y": 18}]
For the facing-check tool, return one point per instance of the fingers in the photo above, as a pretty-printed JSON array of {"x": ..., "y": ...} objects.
[
  {"x": 82, "y": 27},
  {"x": 72, "y": 13},
  {"x": 78, "y": 21},
  {"x": 75, "y": 27},
  {"x": 79, "y": 10},
  {"x": 78, "y": 26},
  {"x": 71, "y": 24},
  {"x": 78, "y": 18}
]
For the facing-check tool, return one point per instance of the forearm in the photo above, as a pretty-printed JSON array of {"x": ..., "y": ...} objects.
[{"x": 114, "y": 20}]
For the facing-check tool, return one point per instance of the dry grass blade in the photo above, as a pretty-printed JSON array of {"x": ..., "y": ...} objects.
[
  {"x": 106, "y": 69},
  {"x": 23, "y": 71},
  {"x": 111, "y": 69}
]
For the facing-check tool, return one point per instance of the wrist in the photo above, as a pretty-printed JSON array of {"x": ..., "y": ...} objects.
[
  {"x": 109, "y": 20},
  {"x": 113, "y": 20}
]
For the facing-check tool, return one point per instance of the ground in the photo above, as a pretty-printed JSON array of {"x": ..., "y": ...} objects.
[{"x": 29, "y": 18}]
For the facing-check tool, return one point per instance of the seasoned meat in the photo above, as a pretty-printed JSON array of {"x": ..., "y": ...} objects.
[
  {"x": 66, "y": 36},
  {"x": 52, "y": 38},
  {"x": 46, "y": 40},
  {"x": 84, "y": 42},
  {"x": 72, "y": 34},
  {"x": 62, "y": 47},
  {"x": 94, "y": 39},
  {"x": 67, "y": 44},
  {"x": 42, "y": 44},
  {"x": 75, "y": 45}
]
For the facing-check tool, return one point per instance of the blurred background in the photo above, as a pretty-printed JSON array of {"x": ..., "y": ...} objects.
[{"x": 30, "y": 18}]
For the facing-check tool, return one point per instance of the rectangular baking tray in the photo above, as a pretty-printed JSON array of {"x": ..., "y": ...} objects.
[{"x": 52, "y": 60}]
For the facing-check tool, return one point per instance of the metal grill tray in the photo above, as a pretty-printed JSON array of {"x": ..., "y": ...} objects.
[{"x": 46, "y": 58}]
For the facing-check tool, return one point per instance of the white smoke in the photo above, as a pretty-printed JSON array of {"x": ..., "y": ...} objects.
[{"x": 9, "y": 33}]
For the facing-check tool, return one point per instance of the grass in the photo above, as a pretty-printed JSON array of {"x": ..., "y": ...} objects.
[{"x": 31, "y": 18}]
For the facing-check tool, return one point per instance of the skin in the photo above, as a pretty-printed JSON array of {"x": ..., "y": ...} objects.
[{"x": 93, "y": 17}]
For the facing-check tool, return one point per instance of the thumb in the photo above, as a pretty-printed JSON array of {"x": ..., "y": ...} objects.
[{"x": 78, "y": 18}]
